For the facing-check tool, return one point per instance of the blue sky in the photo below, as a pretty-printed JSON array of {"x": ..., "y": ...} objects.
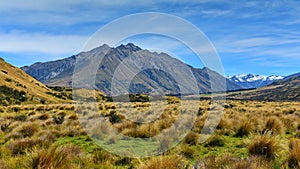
[{"x": 260, "y": 37}]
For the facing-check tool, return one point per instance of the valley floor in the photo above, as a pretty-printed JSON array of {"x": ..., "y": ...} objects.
[{"x": 251, "y": 134}]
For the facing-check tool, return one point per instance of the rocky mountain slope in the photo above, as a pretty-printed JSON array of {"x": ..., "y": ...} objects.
[{"x": 157, "y": 73}]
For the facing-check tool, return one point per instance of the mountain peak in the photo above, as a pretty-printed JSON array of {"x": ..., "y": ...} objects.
[
  {"x": 254, "y": 80},
  {"x": 129, "y": 46}
]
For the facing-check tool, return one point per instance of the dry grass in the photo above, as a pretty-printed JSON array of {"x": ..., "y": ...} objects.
[
  {"x": 164, "y": 162},
  {"x": 28, "y": 131},
  {"x": 274, "y": 125},
  {"x": 293, "y": 159},
  {"x": 265, "y": 145}
]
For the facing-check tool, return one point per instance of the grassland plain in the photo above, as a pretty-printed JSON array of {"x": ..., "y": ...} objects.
[{"x": 251, "y": 134}]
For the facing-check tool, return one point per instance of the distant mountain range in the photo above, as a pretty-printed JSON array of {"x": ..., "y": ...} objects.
[
  {"x": 59, "y": 73},
  {"x": 286, "y": 89},
  {"x": 248, "y": 81}
]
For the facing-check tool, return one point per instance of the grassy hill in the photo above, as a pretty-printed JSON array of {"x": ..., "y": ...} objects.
[{"x": 18, "y": 87}]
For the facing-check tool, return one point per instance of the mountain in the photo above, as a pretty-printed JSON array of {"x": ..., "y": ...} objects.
[
  {"x": 16, "y": 87},
  {"x": 248, "y": 81},
  {"x": 286, "y": 89},
  {"x": 158, "y": 71}
]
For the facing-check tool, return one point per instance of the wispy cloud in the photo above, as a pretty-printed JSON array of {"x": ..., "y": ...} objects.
[{"x": 18, "y": 42}]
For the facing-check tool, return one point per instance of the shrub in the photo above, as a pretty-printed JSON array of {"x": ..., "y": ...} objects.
[
  {"x": 124, "y": 161},
  {"x": 114, "y": 117},
  {"x": 265, "y": 145},
  {"x": 59, "y": 119},
  {"x": 21, "y": 117},
  {"x": 215, "y": 141},
  {"x": 5, "y": 127}
]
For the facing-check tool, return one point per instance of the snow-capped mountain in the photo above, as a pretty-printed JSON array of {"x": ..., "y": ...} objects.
[{"x": 248, "y": 81}]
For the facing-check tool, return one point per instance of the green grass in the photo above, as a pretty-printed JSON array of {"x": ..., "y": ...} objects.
[
  {"x": 233, "y": 145},
  {"x": 136, "y": 147},
  {"x": 82, "y": 141}
]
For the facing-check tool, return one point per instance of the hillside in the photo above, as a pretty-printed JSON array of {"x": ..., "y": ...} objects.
[
  {"x": 287, "y": 89},
  {"x": 59, "y": 73},
  {"x": 16, "y": 87}
]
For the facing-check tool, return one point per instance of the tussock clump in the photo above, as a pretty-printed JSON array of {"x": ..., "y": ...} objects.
[
  {"x": 114, "y": 117},
  {"x": 293, "y": 159},
  {"x": 21, "y": 117},
  {"x": 51, "y": 158},
  {"x": 215, "y": 141},
  {"x": 164, "y": 162},
  {"x": 101, "y": 156},
  {"x": 274, "y": 125},
  {"x": 252, "y": 163},
  {"x": 147, "y": 130},
  {"x": 222, "y": 162},
  {"x": 59, "y": 119},
  {"x": 188, "y": 152},
  {"x": 191, "y": 138},
  {"x": 244, "y": 129},
  {"x": 5, "y": 126},
  {"x": 224, "y": 124},
  {"x": 44, "y": 116},
  {"x": 265, "y": 145},
  {"x": 20, "y": 146},
  {"x": 27, "y": 130},
  {"x": 73, "y": 117}
]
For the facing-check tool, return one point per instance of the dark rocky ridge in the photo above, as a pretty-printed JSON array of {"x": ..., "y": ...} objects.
[{"x": 59, "y": 73}]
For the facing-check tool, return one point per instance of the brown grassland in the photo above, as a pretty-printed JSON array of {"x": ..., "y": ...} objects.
[{"x": 251, "y": 134}]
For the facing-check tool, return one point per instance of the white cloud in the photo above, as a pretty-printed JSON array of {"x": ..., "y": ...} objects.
[
  {"x": 16, "y": 42},
  {"x": 215, "y": 12}
]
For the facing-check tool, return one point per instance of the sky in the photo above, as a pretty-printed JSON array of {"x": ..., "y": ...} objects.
[{"x": 259, "y": 37}]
